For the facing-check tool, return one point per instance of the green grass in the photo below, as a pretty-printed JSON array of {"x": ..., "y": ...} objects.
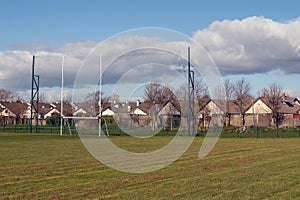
[
  {"x": 114, "y": 130},
  {"x": 53, "y": 167}
]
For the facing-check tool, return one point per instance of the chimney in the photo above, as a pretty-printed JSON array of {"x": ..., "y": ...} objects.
[{"x": 128, "y": 109}]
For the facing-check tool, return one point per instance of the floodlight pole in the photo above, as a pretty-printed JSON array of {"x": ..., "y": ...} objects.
[
  {"x": 189, "y": 97},
  {"x": 192, "y": 101},
  {"x": 191, "y": 87},
  {"x": 35, "y": 82}
]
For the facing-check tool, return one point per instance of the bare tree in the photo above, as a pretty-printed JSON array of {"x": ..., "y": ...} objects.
[
  {"x": 158, "y": 94},
  {"x": 229, "y": 89},
  {"x": 229, "y": 95},
  {"x": 242, "y": 94},
  {"x": 201, "y": 92},
  {"x": 67, "y": 98},
  {"x": 6, "y": 95},
  {"x": 92, "y": 99},
  {"x": 42, "y": 97},
  {"x": 200, "y": 88},
  {"x": 273, "y": 94},
  {"x": 19, "y": 99},
  {"x": 201, "y": 95},
  {"x": 115, "y": 98},
  {"x": 152, "y": 91}
]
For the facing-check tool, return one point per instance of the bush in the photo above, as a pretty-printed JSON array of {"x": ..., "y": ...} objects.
[{"x": 54, "y": 120}]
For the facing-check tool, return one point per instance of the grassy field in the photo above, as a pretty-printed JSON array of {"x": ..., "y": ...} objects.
[{"x": 53, "y": 167}]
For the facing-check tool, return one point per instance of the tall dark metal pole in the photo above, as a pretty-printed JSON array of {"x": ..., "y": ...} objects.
[
  {"x": 193, "y": 102},
  {"x": 37, "y": 84},
  {"x": 191, "y": 97},
  {"x": 34, "y": 102},
  {"x": 32, "y": 87},
  {"x": 189, "y": 92}
]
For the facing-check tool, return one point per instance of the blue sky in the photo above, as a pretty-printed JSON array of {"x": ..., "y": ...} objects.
[
  {"x": 42, "y": 25},
  {"x": 56, "y": 22}
]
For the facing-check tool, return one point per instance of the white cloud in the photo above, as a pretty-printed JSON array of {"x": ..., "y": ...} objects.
[
  {"x": 292, "y": 92},
  {"x": 79, "y": 48},
  {"x": 13, "y": 66},
  {"x": 15, "y": 69},
  {"x": 248, "y": 46},
  {"x": 253, "y": 45}
]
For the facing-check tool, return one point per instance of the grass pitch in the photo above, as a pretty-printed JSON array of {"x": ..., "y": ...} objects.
[{"x": 54, "y": 167}]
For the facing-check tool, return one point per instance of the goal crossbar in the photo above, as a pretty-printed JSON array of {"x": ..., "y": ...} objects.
[{"x": 78, "y": 117}]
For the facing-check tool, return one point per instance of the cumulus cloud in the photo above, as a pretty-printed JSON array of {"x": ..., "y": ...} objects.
[
  {"x": 15, "y": 69},
  {"x": 253, "y": 45},
  {"x": 292, "y": 92},
  {"x": 126, "y": 54},
  {"x": 248, "y": 46}
]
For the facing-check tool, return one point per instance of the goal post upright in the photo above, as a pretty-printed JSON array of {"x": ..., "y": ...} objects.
[
  {"x": 61, "y": 95},
  {"x": 100, "y": 95},
  {"x": 31, "y": 97}
]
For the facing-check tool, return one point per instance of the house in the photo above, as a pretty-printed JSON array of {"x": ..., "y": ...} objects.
[
  {"x": 83, "y": 109},
  {"x": 170, "y": 115},
  {"x": 289, "y": 108},
  {"x": 45, "y": 110},
  {"x": 263, "y": 115},
  {"x": 287, "y": 99},
  {"x": 234, "y": 115},
  {"x": 121, "y": 113},
  {"x": 143, "y": 113},
  {"x": 258, "y": 113},
  {"x": 108, "y": 112},
  {"x": 253, "y": 112},
  {"x": 20, "y": 113},
  {"x": 14, "y": 113},
  {"x": 140, "y": 111},
  {"x": 212, "y": 112},
  {"x": 79, "y": 112},
  {"x": 67, "y": 109}
]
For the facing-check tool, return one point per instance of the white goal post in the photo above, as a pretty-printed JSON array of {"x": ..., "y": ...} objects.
[{"x": 62, "y": 117}]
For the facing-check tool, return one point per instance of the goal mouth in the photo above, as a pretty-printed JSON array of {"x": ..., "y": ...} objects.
[{"x": 86, "y": 126}]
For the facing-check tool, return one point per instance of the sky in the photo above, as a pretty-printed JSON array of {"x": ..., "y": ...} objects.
[{"x": 257, "y": 40}]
